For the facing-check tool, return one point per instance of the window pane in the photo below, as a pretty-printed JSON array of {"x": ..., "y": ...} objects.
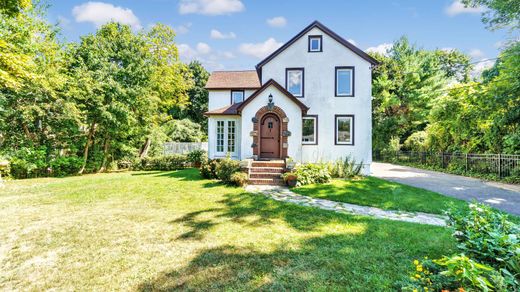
[
  {"x": 308, "y": 131},
  {"x": 315, "y": 44},
  {"x": 344, "y": 130},
  {"x": 238, "y": 96},
  {"x": 344, "y": 78},
  {"x": 220, "y": 136},
  {"x": 231, "y": 136},
  {"x": 295, "y": 82}
]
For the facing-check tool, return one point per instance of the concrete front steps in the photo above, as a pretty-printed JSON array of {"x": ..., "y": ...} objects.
[{"x": 267, "y": 172}]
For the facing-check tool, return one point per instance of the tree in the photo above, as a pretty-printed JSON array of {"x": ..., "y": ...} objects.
[
  {"x": 501, "y": 13},
  {"x": 198, "y": 96},
  {"x": 169, "y": 84},
  {"x": 404, "y": 85},
  {"x": 35, "y": 112},
  {"x": 110, "y": 74}
]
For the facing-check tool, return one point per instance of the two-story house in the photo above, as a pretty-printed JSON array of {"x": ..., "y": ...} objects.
[{"x": 310, "y": 100}]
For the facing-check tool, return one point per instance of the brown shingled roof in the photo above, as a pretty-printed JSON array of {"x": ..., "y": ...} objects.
[
  {"x": 227, "y": 110},
  {"x": 233, "y": 80}
]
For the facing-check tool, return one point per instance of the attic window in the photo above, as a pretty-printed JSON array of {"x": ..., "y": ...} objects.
[{"x": 315, "y": 43}]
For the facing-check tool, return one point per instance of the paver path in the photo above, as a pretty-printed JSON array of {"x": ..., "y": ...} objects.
[
  {"x": 505, "y": 197},
  {"x": 283, "y": 194}
]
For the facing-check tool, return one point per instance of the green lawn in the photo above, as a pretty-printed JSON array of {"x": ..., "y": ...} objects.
[
  {"x": 173, "y": 230},
  {"x": 375, "y": 192}
]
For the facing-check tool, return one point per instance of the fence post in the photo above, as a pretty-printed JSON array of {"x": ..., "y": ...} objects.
[
  {"x": 500, "y": 165},
  {"x": 466, "y": 162}
]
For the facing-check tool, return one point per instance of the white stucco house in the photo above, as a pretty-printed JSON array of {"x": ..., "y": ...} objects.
[{"x": 310, "y": 100}]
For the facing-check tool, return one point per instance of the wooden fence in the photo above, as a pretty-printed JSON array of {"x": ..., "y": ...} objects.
[
  {"x": 501, "y": 165},
  {"x": 184, "y": 147}
]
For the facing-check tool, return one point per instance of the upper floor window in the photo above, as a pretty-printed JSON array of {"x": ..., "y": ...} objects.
[
  {"x": 294, "y": 81},
  {"x": 237, "y": 96},
  {"x": 315, "y": 43},
  {"x": 344, "y": 81}
]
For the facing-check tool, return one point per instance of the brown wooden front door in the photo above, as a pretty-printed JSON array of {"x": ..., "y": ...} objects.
[{"x": 270, "y": 136}]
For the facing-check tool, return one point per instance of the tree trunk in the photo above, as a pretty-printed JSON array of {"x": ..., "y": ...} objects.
[
  {"x": 87, "y": 145},
  {"x": 145, "y": 148},
  {"x": 105, "y": 154}
]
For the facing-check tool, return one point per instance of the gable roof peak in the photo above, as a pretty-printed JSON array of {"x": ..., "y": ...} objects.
[{"x": 326, "y": 30}]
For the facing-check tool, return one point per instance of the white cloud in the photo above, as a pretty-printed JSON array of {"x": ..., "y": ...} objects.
[
  {"x": 352, "y": 42},
  {"x": 476, "y": 54},
  {"x": 480, "y": 67},
  {"x": 215, "y": 34},
  {"x": 260, "y": 50},
  {"x": 203, "y": 48},
  {"x": 448, "y": 49},
  {"x": 278, "y": 21},
  {"x": 228, "y": 55},
  {"x": 100, "y": 13},
  {"x": 210, "y": 7},
  {"x": 202, "y": 53},
  {"x": 457, "y": 7},
  {"x": 183, "y": 28},
  {"x": 382, "y": 48}
]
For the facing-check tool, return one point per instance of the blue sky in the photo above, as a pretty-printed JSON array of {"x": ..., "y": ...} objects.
[{"x": 236, "y": 34}]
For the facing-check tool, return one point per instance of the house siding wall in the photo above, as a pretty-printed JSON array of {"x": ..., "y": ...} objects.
[
  {"x": 292, "y": 111},
  {"x": 221, "y": 98},
  {"x": 320, "y": 97}
]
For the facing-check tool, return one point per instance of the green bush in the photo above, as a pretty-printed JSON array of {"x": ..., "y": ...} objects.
[
  {"x": 66, "y": 165},
  {"x": 225, "y": 168},
  {"x": 196, "y": 157},
  {"x": 488, "y": 236},
  {"x": 239, "y": 178},
  {"x": 345, "y": 168},
  {"x": 208, "y": 168},
  {"x": 28, "y": 162},
  {"x": 489, "y": 259},
  {"x": 311, "y": 173},
  {"x": 165, "y": 162}
]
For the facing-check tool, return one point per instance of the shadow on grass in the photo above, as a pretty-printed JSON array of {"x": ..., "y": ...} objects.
[{"x": 372, "y": 255}]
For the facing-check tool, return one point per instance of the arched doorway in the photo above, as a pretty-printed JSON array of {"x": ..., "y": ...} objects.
[{"x": 270, "y": 138}]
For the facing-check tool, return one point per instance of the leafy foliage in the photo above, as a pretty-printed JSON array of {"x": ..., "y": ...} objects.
[
  {"x": 208, "y": 168},
  {"x": 502, "y": 13},
  {"x": 311, "y": 173},
  {"x": 239, "y": 178},
  {"x": 225, "y": 168},
  {"x": 166, "y": 162},
  {"x": 345, "y": 168}
]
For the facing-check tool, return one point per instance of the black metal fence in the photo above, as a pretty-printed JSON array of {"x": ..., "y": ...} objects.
[{"x": 501, "y": 165}]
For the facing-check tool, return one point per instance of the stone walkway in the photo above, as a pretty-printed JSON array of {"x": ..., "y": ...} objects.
[{"x": 283, "y": 194}]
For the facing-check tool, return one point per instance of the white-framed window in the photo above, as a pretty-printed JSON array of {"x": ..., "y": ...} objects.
[
  {"x": 231, "y": 136},
  {"x": 310, "y": 130},
  {"x": 344, "y": 81},
  {"x": 294, "y": 81},
  {"x": 315, "y": 43},
  {"x": 344, "y": 130},
  {"x": 237, "y": 96},
  {"x": 220, "y": 136},
  {"x": 226, "y": 137}
]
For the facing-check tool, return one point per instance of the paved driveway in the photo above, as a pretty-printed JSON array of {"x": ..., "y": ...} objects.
[{"x": 501, "y": 196}]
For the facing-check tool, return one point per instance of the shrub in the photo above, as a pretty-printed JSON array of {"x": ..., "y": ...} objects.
[
  {"x": 208, "y": 168},
  {"x": 487, "y": 236},
  {"x": 66, "y": 165},
  {"x": 29, "y": 162},
  {"x": 239, "y": 178},
  {"x": 166, "y": 162},
  {"x": 225, "y": 168},
  {"x": 311, "y": 173},
  {"x": 345, "y": 168},
  {"x": 196, "y": 157}
]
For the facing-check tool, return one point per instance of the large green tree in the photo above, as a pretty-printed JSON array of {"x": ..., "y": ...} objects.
[{"x": 499, "y": 13}]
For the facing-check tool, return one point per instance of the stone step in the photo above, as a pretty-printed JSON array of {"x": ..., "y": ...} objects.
[
  {"x": 279, "y": 163},
  {"x": 267, "y": 169},
  {"x": 265, "y": 175},
  {"x": 266, "y": 181}
]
